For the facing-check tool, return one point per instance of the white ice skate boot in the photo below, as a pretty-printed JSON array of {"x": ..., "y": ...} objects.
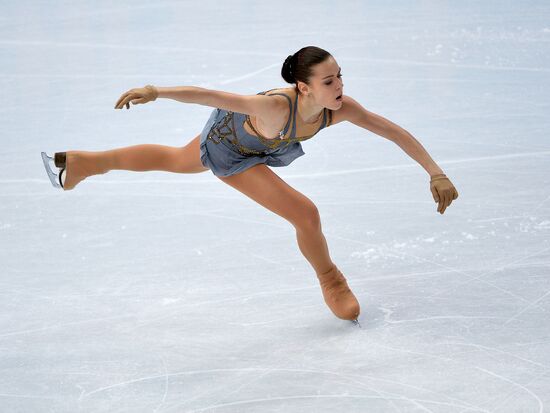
[
  {"x": 77, "y": 164},
  {"x": 57, "y": 180}
]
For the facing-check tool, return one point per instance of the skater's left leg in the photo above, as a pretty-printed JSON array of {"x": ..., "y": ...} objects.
[
  {"x": 144, "y": 157},
  {"x": 154, "y": 157}
]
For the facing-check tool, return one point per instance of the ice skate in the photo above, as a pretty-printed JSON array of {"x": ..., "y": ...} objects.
[
  {"x": 74, "y": 166},
  {"x": 338, "y": 296},
  {"x": 55, "y": 179}
]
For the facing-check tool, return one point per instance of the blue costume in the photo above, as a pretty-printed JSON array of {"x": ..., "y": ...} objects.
[{"x": 226, "y": 148}]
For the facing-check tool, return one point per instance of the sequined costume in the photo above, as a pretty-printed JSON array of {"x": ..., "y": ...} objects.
[{"x": 226, "y": 148}]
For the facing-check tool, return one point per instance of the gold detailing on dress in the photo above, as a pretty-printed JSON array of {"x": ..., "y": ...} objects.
[
  {"x": 225, "y": 129},
  {"x": 217, "y": 129}
]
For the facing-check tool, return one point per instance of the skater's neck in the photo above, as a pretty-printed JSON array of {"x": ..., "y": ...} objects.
[{"x": 308, "y": 110}]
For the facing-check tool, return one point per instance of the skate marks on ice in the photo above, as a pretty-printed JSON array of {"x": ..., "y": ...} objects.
[
  {"x": 470, "y": 278},
  {"x": 509, "y": 261},
  {"x": 360, "y": 381}
]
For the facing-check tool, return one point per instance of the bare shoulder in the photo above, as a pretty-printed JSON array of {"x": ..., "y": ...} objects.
[
  {"x": 274, "y": 113},
  {"x": 354, "y": 112},
  {"x": 351, "y": 110},
  {"x": 282, "y": 105}
]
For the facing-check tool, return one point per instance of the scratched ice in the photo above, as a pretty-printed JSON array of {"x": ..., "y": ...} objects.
[{"x": 159, "y": 292}]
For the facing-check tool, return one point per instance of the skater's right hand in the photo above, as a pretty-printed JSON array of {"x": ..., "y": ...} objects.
[
  {"x": 443, "y": 191},
  {"x": 136, "y": 96}
]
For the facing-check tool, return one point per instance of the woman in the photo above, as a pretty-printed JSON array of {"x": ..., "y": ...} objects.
[{"x": 245, "y": 134}]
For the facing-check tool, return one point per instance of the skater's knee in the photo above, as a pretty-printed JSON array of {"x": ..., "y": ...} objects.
[
  {"x": 308, "y": 217},
  {"x": 265, "y": 187}
]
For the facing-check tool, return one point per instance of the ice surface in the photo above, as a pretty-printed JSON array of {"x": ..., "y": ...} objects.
[{"x": 158, "y": 292}]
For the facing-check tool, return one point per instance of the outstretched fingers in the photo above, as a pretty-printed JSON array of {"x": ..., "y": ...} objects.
[
  {"x": 446, "y": 201},
  {"x": 120, "y": 102},
  {"x": 125, "y": 100},
  {"x": 134, "y": 98}
]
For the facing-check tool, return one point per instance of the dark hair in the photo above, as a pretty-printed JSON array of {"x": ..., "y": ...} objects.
[{"x": 298, "y": 67}]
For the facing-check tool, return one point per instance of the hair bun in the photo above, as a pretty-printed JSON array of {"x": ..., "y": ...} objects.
[
  {"x": 288, "y": 62},
  {"x": 298, "y": 67}
]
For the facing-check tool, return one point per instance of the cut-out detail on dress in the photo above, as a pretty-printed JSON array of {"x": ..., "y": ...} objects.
[
  {"x": 281, "y": 133},
  {"x": 292, "y": 118}
]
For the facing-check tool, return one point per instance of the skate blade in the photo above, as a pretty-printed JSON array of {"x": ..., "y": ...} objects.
[
  {"x": 356, "y": 322},
  {"x": 54, "y": 178}
]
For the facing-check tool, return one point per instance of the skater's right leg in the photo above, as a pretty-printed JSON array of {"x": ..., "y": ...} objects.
[
  {"x": 264, "y": 186},
  {"x": 144, "y": 157}
]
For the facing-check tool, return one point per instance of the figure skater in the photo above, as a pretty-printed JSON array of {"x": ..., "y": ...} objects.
[{"x": 247, "y": 133}]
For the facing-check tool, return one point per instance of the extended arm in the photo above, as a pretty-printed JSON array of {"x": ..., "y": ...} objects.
[
  {"x": 360, "y": 116},
  {"x": 441, "y": 187},
  {"x": 257, "y": 105}
]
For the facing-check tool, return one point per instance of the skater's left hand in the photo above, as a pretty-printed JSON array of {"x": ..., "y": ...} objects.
[
  {"x": 443, "y": 191},
  {"x": 136, "y": 96}
]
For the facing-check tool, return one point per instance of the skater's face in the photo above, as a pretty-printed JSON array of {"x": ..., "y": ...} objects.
[{"x": 326, "y": 85}]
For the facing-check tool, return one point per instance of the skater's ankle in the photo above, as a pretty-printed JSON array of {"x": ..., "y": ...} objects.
[
  {"x": 105, "y": 161},
  {"x": 332, "y": 267}
]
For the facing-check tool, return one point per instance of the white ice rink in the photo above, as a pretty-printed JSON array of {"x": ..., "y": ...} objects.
[{"x": 158, "y": 292}]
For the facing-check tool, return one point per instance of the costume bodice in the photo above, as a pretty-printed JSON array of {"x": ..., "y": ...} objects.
[{"x": 229, "y": 127}]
